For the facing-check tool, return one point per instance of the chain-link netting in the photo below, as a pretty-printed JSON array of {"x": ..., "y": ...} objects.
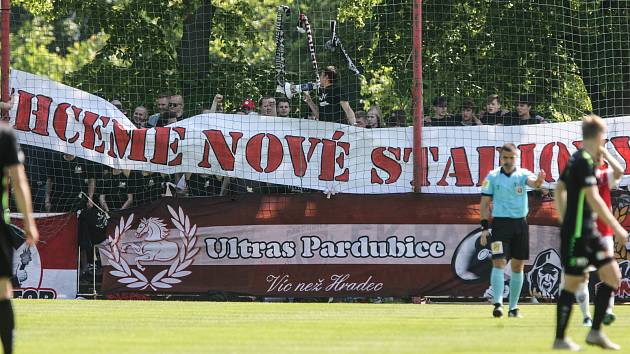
[{"x": 180, "y": 64}]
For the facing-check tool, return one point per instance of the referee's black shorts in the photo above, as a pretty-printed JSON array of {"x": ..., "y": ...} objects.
[
  {"x": 6, "y": 253},
  {"x": 578, "y": 253},
  {"x": 510, "y": 239}
]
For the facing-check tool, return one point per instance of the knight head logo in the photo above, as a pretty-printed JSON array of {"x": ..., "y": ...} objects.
[
  {"x": 544, "y": 277},
  {"x": 472, "y": 262},
  {"x": 154, "y": 246}
]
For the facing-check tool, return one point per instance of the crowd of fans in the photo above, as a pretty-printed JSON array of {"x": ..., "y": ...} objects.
[
  {"x": 333, "y": 106},
  {"x": 492, "y": 115},
  {"x": 65, "y": 183}
]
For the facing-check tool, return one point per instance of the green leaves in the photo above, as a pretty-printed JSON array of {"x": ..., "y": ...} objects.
[{"x": 571, "y": 55}]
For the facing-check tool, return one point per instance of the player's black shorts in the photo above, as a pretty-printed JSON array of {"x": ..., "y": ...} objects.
[
  {"x": 589, "y": 249},
  {"x": 510, "y": 239},
  {"x": 6, "y": 253}
]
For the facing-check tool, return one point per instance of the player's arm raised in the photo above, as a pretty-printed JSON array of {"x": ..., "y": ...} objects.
[
  {"x": 560, "y": 199},
  {"x": 23, "y": 200},
  {"x": 598, "y": 205},
  {"x": 537, "y": 182}
]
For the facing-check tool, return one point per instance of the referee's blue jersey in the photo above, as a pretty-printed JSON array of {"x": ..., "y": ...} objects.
[{"x": 508, "y": 192}]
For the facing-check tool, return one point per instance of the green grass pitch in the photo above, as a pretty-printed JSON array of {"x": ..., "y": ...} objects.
[{"x": 210, "y": 327}]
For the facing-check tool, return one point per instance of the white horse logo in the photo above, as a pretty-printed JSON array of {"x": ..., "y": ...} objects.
[{"x": 154, "y": 247}]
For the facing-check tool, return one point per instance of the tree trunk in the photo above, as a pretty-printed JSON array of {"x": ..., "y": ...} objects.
[{"x": 194, "y": 59}]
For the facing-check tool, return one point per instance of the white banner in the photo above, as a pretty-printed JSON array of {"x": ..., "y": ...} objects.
[{"x": 310, "y": 154}]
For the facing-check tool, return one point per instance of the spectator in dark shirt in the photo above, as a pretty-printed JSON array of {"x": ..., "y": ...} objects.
[
  {"x": 467, "y": 116},
  {"x": 115, "y": 189},
  {"x": 283, "y": 107},
  {"x": 493, "y": 115},
  {"x": 523, "y": 114},
  {"x": 333, "y": 101},
  {"x": 69, "y": 177},
  {"x": 35, "y": 160},
  {"x": 268, "y": 106},
  {"x": 440, "y": 116},
  {"x": 398, "y": 118},
  {"x": 147, "y": 186},
  {"x": 234, "y": 186},
  {"x": 203, "y": 185},
  {"x": 166, "y": 118},
  {"x": 176, "y": 105},
  {"x": 162, "y": 103}
]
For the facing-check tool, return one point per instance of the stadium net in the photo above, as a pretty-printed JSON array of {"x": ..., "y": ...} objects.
[{"x": 221, "y": 70}]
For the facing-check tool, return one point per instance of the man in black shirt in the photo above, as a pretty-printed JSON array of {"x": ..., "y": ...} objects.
[
  {"x": 467, "y": 117},
  {"x": 69, "y": 176},
  {"x": 11, "y": 167},
  {"x": 493, "y": 115},
  {"x": 523, "y": 114},
  {"x": 268, "y": 106},
  {"x": 577, "y": 197},
  {"x": 176, "y": 105},
  {"x": 333, "y": 101},
  {"x": 115, "y": 189},
  {"x": 440, "y": 116},
  {"x": 146, "y": 186},
  {"x": 35, "y": 158},
  {"x": 283, "y": 107},
  {"x": 203, "y": 185},
  {"x": 398, "y": 118}
]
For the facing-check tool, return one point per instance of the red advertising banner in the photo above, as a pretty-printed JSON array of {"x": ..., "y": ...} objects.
[
  {"x": 307, "y": 245},
  {"x": 47, "y": 270}
]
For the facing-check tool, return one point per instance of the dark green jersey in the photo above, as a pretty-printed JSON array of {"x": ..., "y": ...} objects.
[
  {"x": 10, "y": 155},
  {"x": 579, "y": 173}
]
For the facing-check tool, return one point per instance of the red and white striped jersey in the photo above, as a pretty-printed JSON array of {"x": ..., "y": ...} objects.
[{"x": 605, "y": 182}]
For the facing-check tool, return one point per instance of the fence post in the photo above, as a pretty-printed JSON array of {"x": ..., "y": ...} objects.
[{"x": 418, "y": 166}]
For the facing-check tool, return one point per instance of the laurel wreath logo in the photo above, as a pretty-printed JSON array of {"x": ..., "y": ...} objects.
[{"x": 135, "y": 279}]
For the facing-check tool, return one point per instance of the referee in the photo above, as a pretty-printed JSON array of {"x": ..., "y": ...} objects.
[
  {"x": 577, "y": 197},
  {"x": 506, "y": 189},
  {"x": 11, "y": 167}
]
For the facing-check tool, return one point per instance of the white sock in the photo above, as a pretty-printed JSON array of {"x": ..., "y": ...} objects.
[
  {"x": 582, "y": 298},
  {"x": 611, "y": 304}
]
